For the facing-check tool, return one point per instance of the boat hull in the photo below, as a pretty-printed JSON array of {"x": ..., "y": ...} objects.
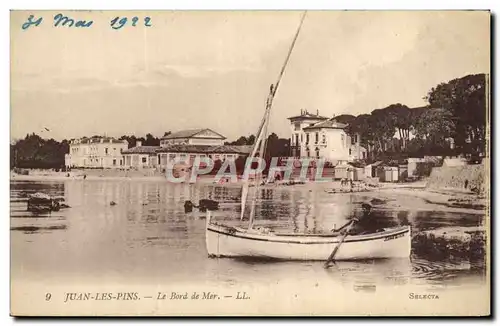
[{"x": 224, "y": 241}]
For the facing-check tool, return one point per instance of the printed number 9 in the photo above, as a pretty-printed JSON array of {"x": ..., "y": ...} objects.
[{"x": 48, "y": 296}]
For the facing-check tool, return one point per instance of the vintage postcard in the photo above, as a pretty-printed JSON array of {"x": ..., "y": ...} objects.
[{"x": 250, "y": 163}]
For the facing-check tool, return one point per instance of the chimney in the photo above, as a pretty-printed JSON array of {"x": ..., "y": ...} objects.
[
  {"x": 317, "y": 112},
  {"x": 138, "y": 143}
]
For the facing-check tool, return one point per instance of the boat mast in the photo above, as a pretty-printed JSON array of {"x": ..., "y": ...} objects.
[{"x": 262, "y": 136}]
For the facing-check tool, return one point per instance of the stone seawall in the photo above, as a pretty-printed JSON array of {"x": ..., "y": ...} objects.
[{"x": 466, "y": 178}]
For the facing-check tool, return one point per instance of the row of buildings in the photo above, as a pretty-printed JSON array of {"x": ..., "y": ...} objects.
[
  {"x": 311, "y": 136},
  {"x": 186, "y": 145}
]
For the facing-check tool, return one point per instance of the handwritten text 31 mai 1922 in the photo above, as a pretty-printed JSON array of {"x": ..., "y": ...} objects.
[{"x": 61, "y": 20}]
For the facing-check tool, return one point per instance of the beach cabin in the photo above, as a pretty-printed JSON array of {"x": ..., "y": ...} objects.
[
  {"x": 359, "y": 174},
  {"x": 389, "y": 174},
  {"x": 342, "y": 171},
  {"x": 371, "y": 169}
]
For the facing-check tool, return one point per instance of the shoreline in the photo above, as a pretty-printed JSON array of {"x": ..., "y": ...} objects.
[{"x": 455, "y": 200}]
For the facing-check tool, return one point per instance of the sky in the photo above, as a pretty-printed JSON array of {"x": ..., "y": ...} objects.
[{"x": 194, "y": 69}]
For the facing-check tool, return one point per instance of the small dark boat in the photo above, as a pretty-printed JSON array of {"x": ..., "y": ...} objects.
[{"x": 41, "y": 202}]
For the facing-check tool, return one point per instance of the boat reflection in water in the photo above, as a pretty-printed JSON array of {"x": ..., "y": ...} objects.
[{"x": 147, "y": 236}]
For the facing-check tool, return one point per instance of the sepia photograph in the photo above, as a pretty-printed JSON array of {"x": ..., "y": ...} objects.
[{"x": 250, "y": 163}]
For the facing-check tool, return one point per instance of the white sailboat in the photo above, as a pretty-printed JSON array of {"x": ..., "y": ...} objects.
[{"x": 227, "y": 241}]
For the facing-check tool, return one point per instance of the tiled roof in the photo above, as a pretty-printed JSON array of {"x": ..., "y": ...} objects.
[
  {"x": 189, "y": 133},
  {"x": 141, "y": 150},
  {"x": 204, "y": 149},
  {"x": 175, "y": 148},
  {"x": 307, "y": 116},
  {"x": 331, "y": 124},
  {"x": 243, "y": 149},
  {"x": 95, "y": 140}
]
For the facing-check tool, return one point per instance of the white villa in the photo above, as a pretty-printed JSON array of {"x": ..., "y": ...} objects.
[
  {"x": 316, "y": 136},
  {"x": 95, "y": 152}
]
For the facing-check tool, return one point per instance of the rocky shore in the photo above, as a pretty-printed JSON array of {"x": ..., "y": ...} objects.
[{"x": 451, "y": 243}]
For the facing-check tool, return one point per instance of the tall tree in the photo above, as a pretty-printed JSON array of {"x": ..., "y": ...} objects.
[
  {"x": 344, "y": 118},
  {"x": 362, "y": 125},
  {"x": 465, "y": 99},
  {"x": 400, "y": 118},
  {"x": 277, "y": 147},
  {"x": 383, "y": 129}
]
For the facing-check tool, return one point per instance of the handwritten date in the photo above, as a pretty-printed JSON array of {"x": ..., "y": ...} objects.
[
  {"x": 118, "y": 22},
  {"x": 61, "y": 20}
]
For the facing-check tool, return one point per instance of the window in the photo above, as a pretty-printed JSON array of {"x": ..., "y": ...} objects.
[
  {"x": 324, "y": 138},
  {"x": 144, "y": 159},
  {"x": 106, "y": 150},
  {"x": 350, "y": 151},
  {"x": 307, "y": 138},
  {"x": 114, "y": 161},
  {"x": 317, "y": 138},
  {"x": 317, "y": 152},
  {"x": 296, "y": 139},
  {"x": 297, "y": 125}
]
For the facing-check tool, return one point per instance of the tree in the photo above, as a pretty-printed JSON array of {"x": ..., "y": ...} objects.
[
  {"x": 400, "y": 119},
  {"x": 383, "y": 129},
  {"x": 362, "y": 125},
  {"x": 242, "y": 141},
  {"x": 132, "y": 140},
  {"x": 151, "y": 140},
  {"x": 251, "y": 140},
  {"x": 465, "y": 99},
  {"x": 432, "y": 127},
  {"x": 344, "y": 118},
  {"x": 36, "y": 152}
]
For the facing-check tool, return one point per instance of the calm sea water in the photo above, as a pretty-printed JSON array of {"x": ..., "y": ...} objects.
[{"x": 147, "y": 236}]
